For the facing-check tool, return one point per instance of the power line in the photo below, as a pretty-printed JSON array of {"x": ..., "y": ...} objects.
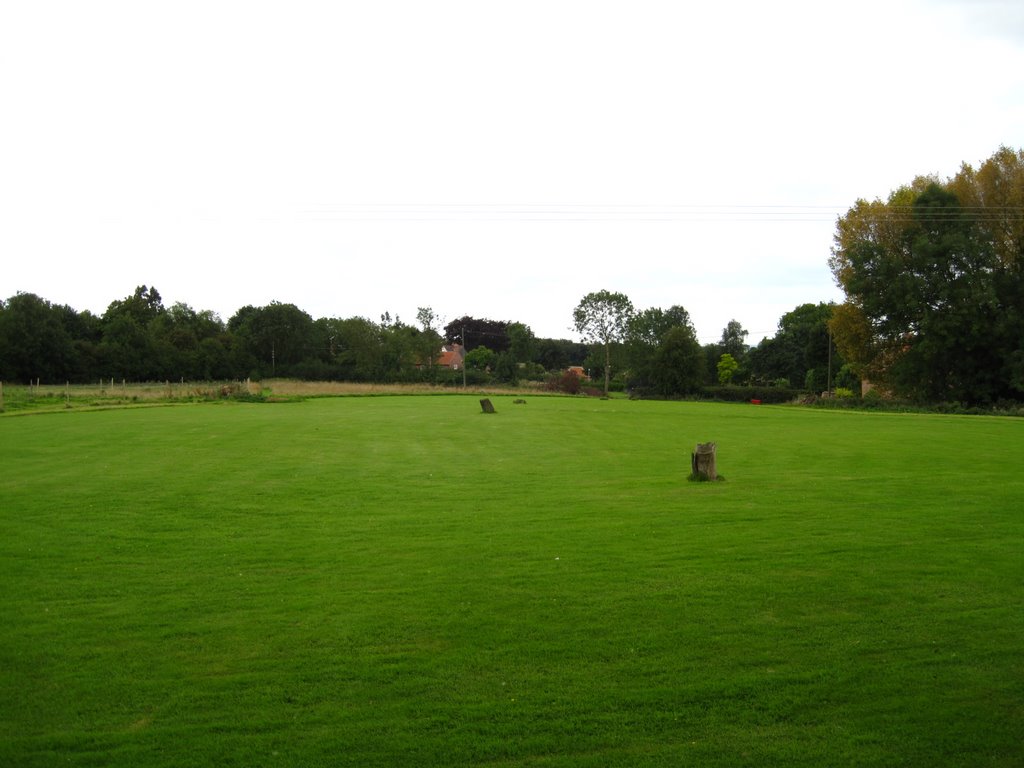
[
  {"x": 567, "y": 212},
  {"x": 640, "y": 212}
]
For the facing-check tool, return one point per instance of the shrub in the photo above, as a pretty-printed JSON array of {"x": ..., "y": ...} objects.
[
  {"x": 567, "y": 382},
  {"x": 765, "y": 394}
]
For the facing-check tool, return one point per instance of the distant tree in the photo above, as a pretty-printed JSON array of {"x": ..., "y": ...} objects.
[
  {"x": 191, "y": 344},
  {"x": 143, "y": 306},
  {"x": 480, "y": 359},
  {"x": 34, "y": 343},
  {"x": 522, "y": 342},
  {"x": 492, "y": 334},
  {"x": 506, "y": 369},
  {"x": 276, "y": 337},
  {"x": 712, "y": 353},
  {"x": 131, "y": 347},
  {"x": 679, "y": 362},
  {"x": 603, "y": 318},
  {"x": 663, "y": 353},
  {"x": 800, "y": 344},
  {"x": 727, "y": 367},
  {"x": 357, "y": 348},
  {"x": 399, "y": 346},
  {"x": 734, "y": 340},
  {"x": 559, "y": 354},
  {"x": 428, "y": 341}
]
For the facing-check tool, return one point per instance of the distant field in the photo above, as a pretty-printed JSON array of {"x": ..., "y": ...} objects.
[
  {"x": 405, "y": 581},
  {"x": 120, "y": 394}
]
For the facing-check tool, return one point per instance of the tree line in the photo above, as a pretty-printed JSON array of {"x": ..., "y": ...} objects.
[
  {"x": 138, "y": 338},
  {"x": 655, "y": 352}
]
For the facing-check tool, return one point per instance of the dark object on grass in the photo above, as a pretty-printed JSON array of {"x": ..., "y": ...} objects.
[
  {"x": 702, "y": 462},
  {"x": 486, "y": 405},
  {"x": 519, "y": 401}
]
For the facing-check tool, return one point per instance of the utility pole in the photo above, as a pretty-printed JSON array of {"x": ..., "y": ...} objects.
[{"x": 830, "y": 361}]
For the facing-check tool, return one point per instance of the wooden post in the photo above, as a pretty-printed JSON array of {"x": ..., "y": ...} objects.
[
  {"x": 487, "y": 405},
  {"x": 702, "y": 462}
]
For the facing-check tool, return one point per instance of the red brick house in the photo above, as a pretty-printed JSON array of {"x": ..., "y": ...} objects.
[{"x": 452, "y": 356}]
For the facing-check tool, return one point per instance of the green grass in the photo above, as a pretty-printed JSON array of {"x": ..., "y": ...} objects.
[{"x": 406, "y": 581}]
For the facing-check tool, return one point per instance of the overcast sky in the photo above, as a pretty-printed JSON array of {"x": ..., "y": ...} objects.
[{"x": 499, "y": 160}]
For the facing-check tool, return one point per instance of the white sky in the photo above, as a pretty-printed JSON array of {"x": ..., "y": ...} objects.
[{"x": 499, "y": 160}]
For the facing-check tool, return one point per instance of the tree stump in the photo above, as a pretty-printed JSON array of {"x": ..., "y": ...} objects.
[
  {"x": 486, "y": 405},
  {"x": 702, "y": 462}
]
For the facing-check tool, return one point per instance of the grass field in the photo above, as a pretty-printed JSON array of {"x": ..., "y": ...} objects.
[{"x": 405, "y": 581}]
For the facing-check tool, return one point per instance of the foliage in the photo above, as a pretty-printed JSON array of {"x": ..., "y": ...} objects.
[
  {"x": 745, "y": 394},
  {"x": 139, "y": 339},
  {"x": 522, "y": 342},
  {"x": 800, "y": 344},
  {"x": 428, "y": 341},
  {"x": 847, "y": 378},
  {"x": 566, "y": 382},
  {"x": 603, "y": 318},
  {"x": 35, "y": 342},
  {"x": 533, "y": 372},
  {"x": 480, "y": 358},
  {"x": 934, "y": 284},
  {"x": 734, "y": 340},
  {"x": 726, "y": 367},
  {"x": 474, "y": 332},
  {"x": 506, "y": 370},
  {"x": 557, "y": 354},
  {"x": 274, "y": 338},
  {"x": 663, "y": 354}
]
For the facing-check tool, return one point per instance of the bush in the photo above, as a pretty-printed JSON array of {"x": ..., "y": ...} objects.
[
  {"x": 532, "y": 372},
  {"x": 765, "y": 394},
  {"x": 566, "y": 382}
]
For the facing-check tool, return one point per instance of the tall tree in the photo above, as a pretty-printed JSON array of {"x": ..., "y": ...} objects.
[
  {"x": 934, "y": 289},
  {"x": 275, "y": 337},
  {"x": 734, "y": 340},
  {"x": 522, "y": 342},
  {"x": 428, "y": 342},
  {"x": 663, "y": 353},
  {"x": 129, "y": 349},
  {"x": 603, "y": 318},
  {"x": 473, "y": 332},
  {"x": 356, "y": 343},
  {"x": 34, "y": 344},
  {"x": 557, "y": 354}
]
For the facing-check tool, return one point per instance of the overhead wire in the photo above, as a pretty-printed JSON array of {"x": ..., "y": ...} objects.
[{"x": 638, "y": 212}]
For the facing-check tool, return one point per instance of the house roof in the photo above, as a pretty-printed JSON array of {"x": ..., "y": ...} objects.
[{"x": 451, "y": 355}]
